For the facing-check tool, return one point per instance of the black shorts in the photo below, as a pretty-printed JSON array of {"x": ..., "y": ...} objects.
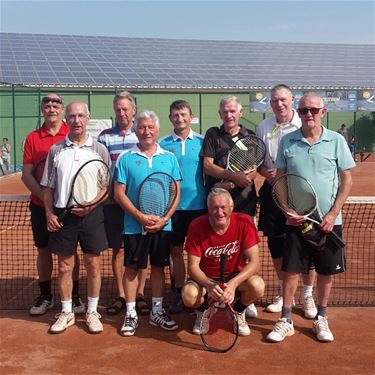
[
  {"x": 181, "y": 220},
  {"x": 271, "y": 219},
  {"x": 114, "y": 225},
  {"x": 39, "y": 225},
  {"x": 156, "y": 245},
  {"x": 299, "y": 256},
  {"x": 88, "y": 231}
]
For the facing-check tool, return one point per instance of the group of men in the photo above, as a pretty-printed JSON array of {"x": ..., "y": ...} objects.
[{"x": 213, "y": 213}]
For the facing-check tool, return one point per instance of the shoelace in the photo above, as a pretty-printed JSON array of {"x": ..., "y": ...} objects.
[
  {"x": 93, "y": 314},
  {"x": 322, "y": 324},
  {"x": 130, "y": 320},
  {"x": 282, "y": 327}
]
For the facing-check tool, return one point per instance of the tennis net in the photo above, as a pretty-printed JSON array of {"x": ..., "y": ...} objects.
[{"x": 19, "y": 283}]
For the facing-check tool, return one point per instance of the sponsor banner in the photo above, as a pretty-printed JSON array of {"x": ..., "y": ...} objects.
[
  {"x": 366, "y": 100},
  {"x": 335, "y": 100}
]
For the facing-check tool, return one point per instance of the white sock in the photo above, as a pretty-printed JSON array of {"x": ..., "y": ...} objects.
[
  {"x": 92, "y": 304},
  {"x": 130, "y": 309},
  {"x": 157, "y": 304},
  {"x": 307, "y": 291},
  {"x": 66, "y": 306}
]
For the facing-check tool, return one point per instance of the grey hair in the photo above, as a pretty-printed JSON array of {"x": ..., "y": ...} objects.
[
  {"x": 148, "y": 115},
  {"x": 312, "y": 94},
  {"x": 219, "y": 191},
  {"x": 230, "y": 98},
  {"x": 124, "y": 95}
]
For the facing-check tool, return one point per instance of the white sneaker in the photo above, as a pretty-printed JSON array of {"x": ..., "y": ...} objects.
[
  {"x": 276, "y": 305},
  {"x": 129, "y": 326},
  {"x": 281, "y": 330},
  {"x": 162, "y": 319},
  {"x": 243, "y": 328},
  {"x": 251, "y": 311},
  {"x": 64, "y": 320},
  {"x": 309, "y": 308},
  {"x": 93, "y": 322},
  {"x": 206, "y": 320},
  {"x": 321, "y": 329}
]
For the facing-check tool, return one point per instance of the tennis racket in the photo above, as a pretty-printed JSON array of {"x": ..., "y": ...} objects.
[
  {"x": 90, "y": 186},
  {"x": 295, "y": 196},
  {"x": 39, "y": 169},
  {"x": 247, "y": 153},
  {"x": 219, "y": 324}
]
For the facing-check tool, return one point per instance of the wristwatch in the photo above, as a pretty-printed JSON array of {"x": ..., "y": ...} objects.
[
  {"x": 165, "y": 220},
  {"x": 231, "y": 185}
]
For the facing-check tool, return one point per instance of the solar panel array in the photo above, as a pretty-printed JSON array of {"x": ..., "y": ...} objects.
[{"x": 91, "y": 61}]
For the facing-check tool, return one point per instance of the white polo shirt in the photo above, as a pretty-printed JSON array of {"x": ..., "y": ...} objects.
[{"x": 63, "y": 161}]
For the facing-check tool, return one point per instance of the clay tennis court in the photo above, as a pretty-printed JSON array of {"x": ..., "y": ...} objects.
[{"x": 27, "y": 348}]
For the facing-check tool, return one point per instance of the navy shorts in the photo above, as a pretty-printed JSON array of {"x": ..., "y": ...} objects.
[
  {"x": 88, "y": 231},
  {"x": 299, "y": 256},
  {"x": 156, "y": 245},
  {"x": 39, "y": 225},
  {"x": 181, "y": 220},
  {"x": 114, "y": 225}
]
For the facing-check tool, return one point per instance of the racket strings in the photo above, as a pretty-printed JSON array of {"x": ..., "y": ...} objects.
[
  {"x": 247, "y": 153},
  {"x": 157, "y": 195},
  {"x": 219, "y": 328},
  {"x": 92, "y": 180},
  {"x": 294, "y": 194}
]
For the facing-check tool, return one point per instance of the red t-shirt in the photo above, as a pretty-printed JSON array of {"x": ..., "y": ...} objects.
[
  {"x": 203, "y": 242},
  {"x": 37, "y": 145}
]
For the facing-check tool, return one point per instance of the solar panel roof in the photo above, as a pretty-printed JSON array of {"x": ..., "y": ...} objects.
[{"x": 70, "y": 60}]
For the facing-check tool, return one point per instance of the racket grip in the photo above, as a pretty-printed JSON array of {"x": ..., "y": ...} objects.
[
  {"x": 62, "y": 215},
  {"x": 336, "y": 239},
  {"x": 223, "y": 260}
]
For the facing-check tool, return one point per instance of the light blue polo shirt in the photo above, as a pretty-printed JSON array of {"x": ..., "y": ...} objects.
[
  {"x": 193, "y": 192},
  {"x": 133, "y": 167},
  {"x": 319, "y": 163}
]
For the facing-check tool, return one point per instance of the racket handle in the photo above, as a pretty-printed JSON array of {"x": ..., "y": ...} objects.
[
  {"x": 62, "y": 215},
  {"x": 223, "y": 260},
  {"x": 336, "y": 239}
]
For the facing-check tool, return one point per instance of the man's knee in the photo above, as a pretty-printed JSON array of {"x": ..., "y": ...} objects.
[
  {"x": 65, "y": 265},
  {"x": 192, "y": 295},
  {"x": 254, "y": 287}
]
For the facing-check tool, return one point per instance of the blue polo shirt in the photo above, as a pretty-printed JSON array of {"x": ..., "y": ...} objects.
[
  {"x": 319, "y": 163},
  {"x": 133, "y": 167},
  {"x": 193, "y": 192}
]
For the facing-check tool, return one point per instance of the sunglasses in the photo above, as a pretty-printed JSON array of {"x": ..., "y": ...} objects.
[
  {"x": 313, "y": 111},
  {"x": 47, "y": 100}
]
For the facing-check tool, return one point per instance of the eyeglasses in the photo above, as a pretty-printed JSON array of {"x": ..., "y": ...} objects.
[
  {"x": 47, "y": 100},
  {"x": 313, "y": 111}
]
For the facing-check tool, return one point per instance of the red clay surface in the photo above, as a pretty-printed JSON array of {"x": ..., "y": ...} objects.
[{"x": 27, "y": 348}]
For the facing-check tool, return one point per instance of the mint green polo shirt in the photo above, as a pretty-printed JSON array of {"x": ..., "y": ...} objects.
[{"x": 319, "y": 163}]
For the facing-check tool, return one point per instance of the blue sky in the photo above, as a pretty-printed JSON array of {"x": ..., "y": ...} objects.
[{"x": 337, "y": 21}]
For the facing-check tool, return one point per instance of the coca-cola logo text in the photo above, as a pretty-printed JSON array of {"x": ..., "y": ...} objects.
[{"x": 228, "y": 249}]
